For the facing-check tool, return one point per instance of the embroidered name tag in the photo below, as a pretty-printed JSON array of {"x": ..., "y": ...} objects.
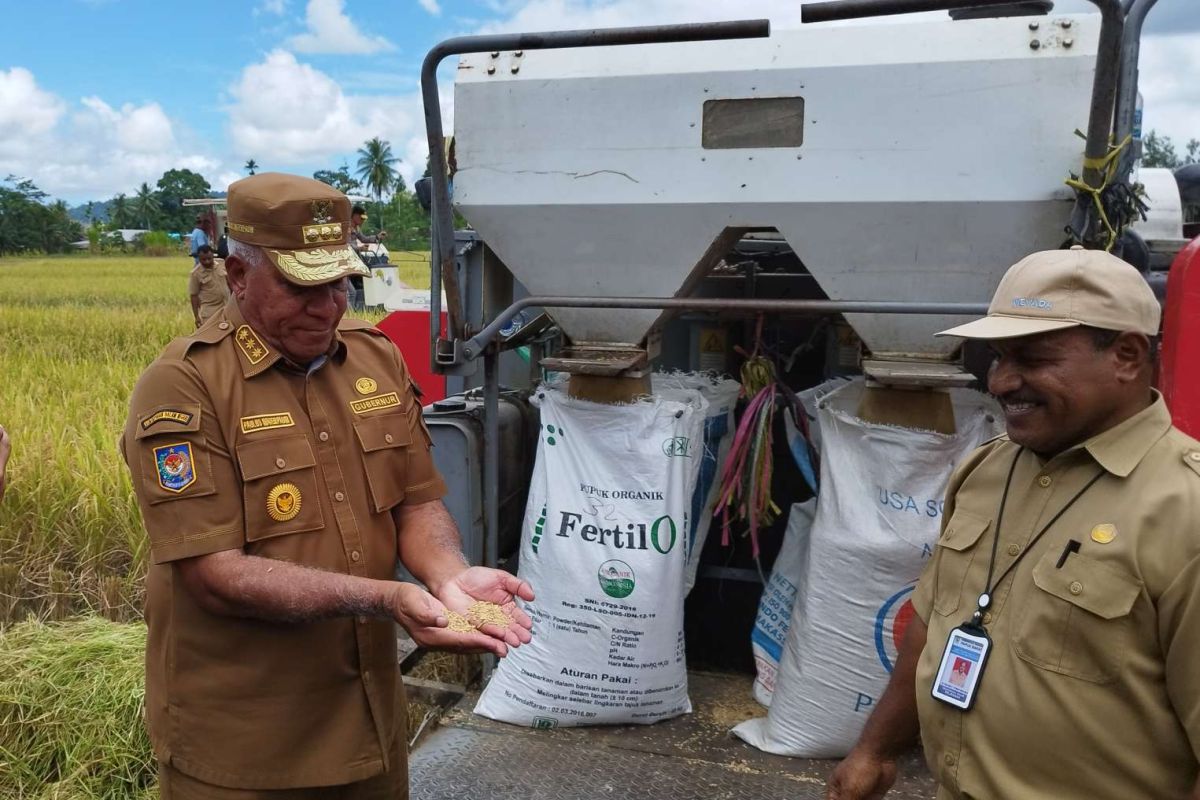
[
  {"x": 374, "y": 403},
  {"x": 263, "y": 422},
  {"x": 166, "y": 415}
]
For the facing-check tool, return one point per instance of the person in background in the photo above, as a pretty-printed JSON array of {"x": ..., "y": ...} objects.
[
  {"x": 358, "y": 215},
  {"x": 283, "y": 469},
  {"x": 223, "y": 244},
  {"x": 5, "y": 450},
  {"x": 207, "y": 285},
  {"x": 197, "y": 239},
  {"x": 1067, "y": 573}
]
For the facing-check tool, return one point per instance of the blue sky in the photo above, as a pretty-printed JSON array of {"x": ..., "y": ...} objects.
[{"x": 97, "y": 96}]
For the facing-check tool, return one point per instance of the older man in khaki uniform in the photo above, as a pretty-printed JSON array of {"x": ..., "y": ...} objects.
[
  {"x": 282, "y": 465},
  {"x": 208, "y": 288},
  {"x": 1071, "y": 552}
]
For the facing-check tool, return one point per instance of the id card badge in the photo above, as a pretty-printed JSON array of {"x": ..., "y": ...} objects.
[{"x": 963, "y": 660}]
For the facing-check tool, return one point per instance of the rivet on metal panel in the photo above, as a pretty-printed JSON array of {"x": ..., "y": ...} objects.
[
  {"x": 1035, "y": 44},
  {"x": 1066, "y": 23},
  {"x": 1034, "y": 25},
  {"x": 1067, "y": 42},
  {"x": 520, "y": 53},
  {"x": 516, "y": 68},
  {"x": 491, "y": 69},
  {"x": 495, "y": 54}
]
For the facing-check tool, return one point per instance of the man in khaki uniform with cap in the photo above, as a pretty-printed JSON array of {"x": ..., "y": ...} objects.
[
  {"x": 1070, "y": 551},
  {"x": 207, "y": 286},
  {"x": 281, "y": 465}
]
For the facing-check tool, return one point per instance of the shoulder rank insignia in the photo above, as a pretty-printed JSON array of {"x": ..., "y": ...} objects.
[
  {"x": 176, "y": 470},
  {"x": 253, "y": 348},
  {"x": 283, "y": 502}
]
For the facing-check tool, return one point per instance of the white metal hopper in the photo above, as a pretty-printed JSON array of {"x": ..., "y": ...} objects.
[{"x": 933, "y": 155}]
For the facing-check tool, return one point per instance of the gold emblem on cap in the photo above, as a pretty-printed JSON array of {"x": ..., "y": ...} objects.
[
  {"x": 254, "y": 349},
  {"x": 315, "y": 234},
  {"x": 322, "y": 211},
  {"x": 283, "y": 502},
  {"x": 365, "y": 386},
  {"x": 1103, "y": 534}
]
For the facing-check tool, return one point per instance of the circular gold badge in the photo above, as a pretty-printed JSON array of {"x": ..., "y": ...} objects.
[
  {"x": 283, "y": 502},
  {"x": 365, "y": 385}
]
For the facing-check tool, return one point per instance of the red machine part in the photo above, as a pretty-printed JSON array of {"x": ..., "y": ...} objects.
[
  {"x": 1179, "y": 378},
  {"x": 409, "y": 331}
]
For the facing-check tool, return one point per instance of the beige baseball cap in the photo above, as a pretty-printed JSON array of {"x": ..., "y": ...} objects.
[
  {"x": 1056, "y": 289},
  {"x": 301, "y": 224}
]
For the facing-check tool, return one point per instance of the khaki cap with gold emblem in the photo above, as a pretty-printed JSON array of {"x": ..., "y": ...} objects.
[
  {"x": 301, "y": 224},
  {"x": 1056, "y": 289}
]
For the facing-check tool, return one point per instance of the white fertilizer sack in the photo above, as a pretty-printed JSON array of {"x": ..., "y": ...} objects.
[
  {"x": 878, "y": 517},
  {"x": 603, "y": 548}
]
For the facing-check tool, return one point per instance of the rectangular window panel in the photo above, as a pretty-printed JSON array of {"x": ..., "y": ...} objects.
[{"x": 753, "y": 122}]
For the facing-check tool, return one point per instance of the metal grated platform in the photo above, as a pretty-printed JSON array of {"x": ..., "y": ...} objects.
[{"x": 688, "y": 758}]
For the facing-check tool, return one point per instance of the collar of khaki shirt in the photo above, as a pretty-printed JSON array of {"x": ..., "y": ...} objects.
[
  {"x": 1122, "y": 447},
  {"x": 254, "y": 354}
]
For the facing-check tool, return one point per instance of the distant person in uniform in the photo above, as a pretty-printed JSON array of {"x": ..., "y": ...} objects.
[
  {"x": 358, "y": 215},
  {"x": 197, "y": 239},
  {"x": 207, "y": 286},
  {"x": 5, "y": 451},
  {"x": 1071, "y": 543},
  {"x": 223, "y": 244},
  {"x": 283, "y": 468}
]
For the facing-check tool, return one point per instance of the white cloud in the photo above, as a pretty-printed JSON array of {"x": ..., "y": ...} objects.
[
  {"x": 1170, "y": 86},
  {"x": 91, "y": 150},
  {"x": 25, "y": 110},
  {"x": 431, "y": 6},
  {"x": 330, "y": 30},
  {"x": 298, "y": 114},
  {"x": 275, "y": 7}
]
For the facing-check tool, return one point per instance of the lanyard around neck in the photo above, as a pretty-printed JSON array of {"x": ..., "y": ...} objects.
[{"x": 985, "y": 598}]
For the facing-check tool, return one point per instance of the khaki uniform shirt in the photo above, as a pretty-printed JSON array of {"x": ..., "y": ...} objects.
[
  {"x": 231, "y": 447},
  {"x": 210, "y": 286},
  {"x": 1092, "y": 688}
]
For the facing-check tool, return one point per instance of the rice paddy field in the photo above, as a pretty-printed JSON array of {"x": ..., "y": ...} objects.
[{"x": 75, "y": 333}]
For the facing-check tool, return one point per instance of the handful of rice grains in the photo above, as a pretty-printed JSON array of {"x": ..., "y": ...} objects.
[{"x": 479, "y": 614}]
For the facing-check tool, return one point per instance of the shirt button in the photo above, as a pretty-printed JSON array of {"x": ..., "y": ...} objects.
[
  {"x": 367, "y": 676},
  {"x": 355, "y": 555},
  {"x": 1044, "y": 481},
  {"x": 339, "y": 496},
  {"x": 1194, "y": 456},
  {"x": 279, "y": 462},
  {"x": 224, "y": 326},
  {"x": 949, "y": 760},
  {"x": 387, "y": 437},
  {"x": 1076, "y": 587},
  {"x": 323, "y": 436},
  {"x": 1013, "y": 549}
]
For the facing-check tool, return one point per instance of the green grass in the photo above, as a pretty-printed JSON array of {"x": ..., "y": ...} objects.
[
  {"x": 71, "y": 700},
  {"x": 75, "y": 333}
]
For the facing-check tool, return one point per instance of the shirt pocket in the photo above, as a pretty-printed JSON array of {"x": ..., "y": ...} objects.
[
  {"x": 1077, "y": 622},
  {"x": 385, "y": 443},
  {"x": 279, "y": 487},
  {"x": 955, "y": 551}
]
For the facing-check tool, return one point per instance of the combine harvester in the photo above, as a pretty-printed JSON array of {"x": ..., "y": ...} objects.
[{"x": 640, "y": 198}]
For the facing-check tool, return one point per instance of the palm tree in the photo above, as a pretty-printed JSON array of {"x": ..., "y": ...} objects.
[
  {"x": 376, "y": 167},
  {"x": 145, "y": 204},
  {"x": 118, "y": 211},
  {"x": 251, "y": 166}
]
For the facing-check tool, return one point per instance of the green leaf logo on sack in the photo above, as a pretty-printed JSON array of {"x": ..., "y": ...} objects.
[
  {"x": 616, "y": 578},
  {"x": 537, "y": 529},
  {"x": 677, "y": 447},
  {"x": 551, "y": 433},
  {"x": 544, "y": 723}
]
